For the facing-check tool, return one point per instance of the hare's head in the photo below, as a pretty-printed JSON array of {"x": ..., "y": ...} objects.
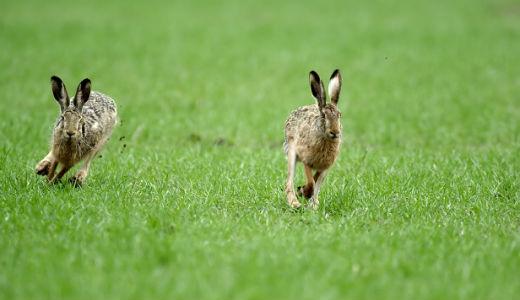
[
  {"x": 330, "y": 113},
  {"x": 71, "y": 125}
]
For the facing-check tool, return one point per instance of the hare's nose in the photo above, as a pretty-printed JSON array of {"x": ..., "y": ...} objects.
[{"x": 70, "y": 133}]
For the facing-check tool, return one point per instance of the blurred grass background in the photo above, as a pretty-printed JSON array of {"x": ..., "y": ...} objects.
[{"x": 186, "y": 201}]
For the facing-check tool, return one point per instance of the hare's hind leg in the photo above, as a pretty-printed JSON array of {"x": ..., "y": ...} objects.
[
  {"x": 308, "y": 189},
  {"x": 289, "y": 186},
  {"x": 42, "y": 168},
  {"x": 319, "y": 177}
]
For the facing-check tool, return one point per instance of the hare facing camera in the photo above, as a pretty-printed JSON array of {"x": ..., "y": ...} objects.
[
  {"x": 83, "y": 127},
  {"x": 313, "y": 136}
]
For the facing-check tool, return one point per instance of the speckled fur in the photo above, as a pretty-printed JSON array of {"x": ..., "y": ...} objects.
[
  {"x": 99, "y": 116},
  {"x": 305, "y": 129},
  {"x": 313, "y": 137},
  {"x": 80, "y": 131}
]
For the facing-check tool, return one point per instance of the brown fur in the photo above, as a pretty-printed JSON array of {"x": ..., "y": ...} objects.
[
  {"x": 85, "y": 124},
  {"x": 305, "y": 130},
  {"x": 313, "y": 136}
]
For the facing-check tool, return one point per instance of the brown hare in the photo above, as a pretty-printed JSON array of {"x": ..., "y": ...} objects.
[
  {"x": 313, "y": 136},
  {"x": 84, "y": 125}
]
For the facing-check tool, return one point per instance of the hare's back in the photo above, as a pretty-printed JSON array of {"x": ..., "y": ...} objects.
[
  {"x": 302, "y": 118},
  {"x": 302, "y": 115},
  {"x": 100, "y": 109}
]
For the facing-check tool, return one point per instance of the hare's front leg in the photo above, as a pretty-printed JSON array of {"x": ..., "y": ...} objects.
[
  {"x": 42, "y": 168},
  {"x": 64, "y": 169},
  {"x": 289, "y": 186},
  {"x": 81, "y": 175},
  {"x": 52, "y": 170},
  {"x": 308, "y": 189},
  {"x": 319, "y": 177}
]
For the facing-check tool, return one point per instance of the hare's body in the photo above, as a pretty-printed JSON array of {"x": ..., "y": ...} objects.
[
  {"x": 84, "y": 126},
  {"x": 313, "y": 136},
  {"x": 99, "y": 117},
  {"x": 304, "y": 131}
]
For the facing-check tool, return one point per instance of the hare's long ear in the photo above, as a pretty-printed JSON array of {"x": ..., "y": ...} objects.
[
  {"x": 82, "y": 94},
  {"x": 335, "y": 86},
  {"x": 60, "y": 92},
  {"x": 317, "y": 89}
]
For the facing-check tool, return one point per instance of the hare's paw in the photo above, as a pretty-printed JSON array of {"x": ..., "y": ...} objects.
[
  {"x": 314, "y": 204},
  {"x": 305, "y": 191},
  {"x": 42, "y": 168},
  {"x": 79, "y": 179},
  {"x": 75, "y": 181},
  {"x": 292, "y": 201}
]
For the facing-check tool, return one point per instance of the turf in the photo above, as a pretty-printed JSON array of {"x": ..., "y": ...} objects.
[{"x": 187, "y": 199}]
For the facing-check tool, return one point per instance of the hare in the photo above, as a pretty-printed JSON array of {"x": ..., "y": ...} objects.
[
  {"x": 313, "y": 136},
  {"x": 84, "y": 125}
]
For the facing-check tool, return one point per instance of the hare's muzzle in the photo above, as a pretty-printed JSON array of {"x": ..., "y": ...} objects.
[{"x": 334, "y": 134}]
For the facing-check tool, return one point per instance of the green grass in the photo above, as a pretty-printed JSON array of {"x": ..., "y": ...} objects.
[{"x": 187, "y": 202}]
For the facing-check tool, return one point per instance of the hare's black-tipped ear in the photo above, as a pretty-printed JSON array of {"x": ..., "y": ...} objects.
[
  {"x": 335, "y": 86},
  {"x": 317, "y": 88},
  {"x": 60, "y": 92},
  {"x": 82, "y": 94}
]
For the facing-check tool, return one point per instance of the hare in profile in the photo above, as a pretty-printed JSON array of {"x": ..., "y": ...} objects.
[
  {"x": 313, "y": 136},
  {"x": 84, "y": 125}
]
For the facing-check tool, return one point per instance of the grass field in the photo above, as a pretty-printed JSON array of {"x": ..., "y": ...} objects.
[{"x": 187, "y": 199}]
